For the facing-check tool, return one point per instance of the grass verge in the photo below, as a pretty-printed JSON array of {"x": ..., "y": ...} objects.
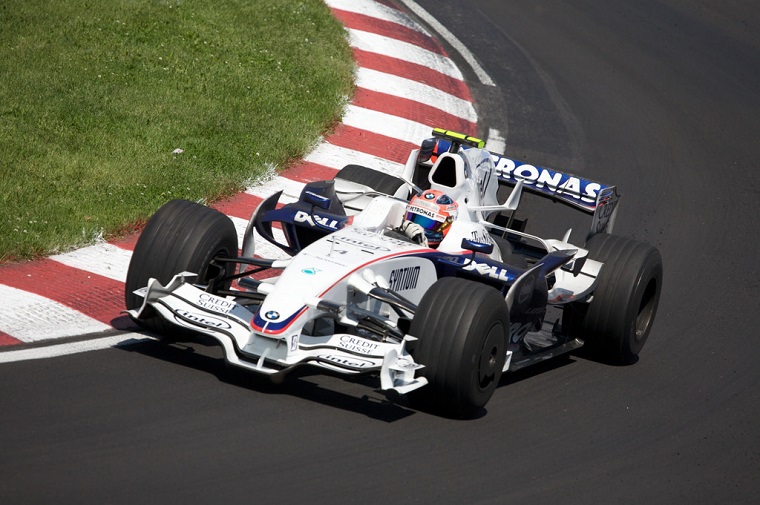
[{"x": 97, "y": 98}]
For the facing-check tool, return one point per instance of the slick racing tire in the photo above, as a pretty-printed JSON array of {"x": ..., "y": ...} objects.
[
  {"x": 616, "y": 323},
  {"x": 463, "y": 329},
  {"x": 181, "y": 236},
  {"x": 379, "y": 181}
]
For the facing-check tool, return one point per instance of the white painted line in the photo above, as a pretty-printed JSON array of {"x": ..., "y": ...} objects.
[
  {"x": 451, "y": 39},
  {"x": 495, "y": 142},
  {"x": 103, "y": 259},
  {"x": 380, "y": 44},
  {"x": 413, "y": 90},
  {"x": 29, "y": 317},
  {"x": 386, "y": 124},
  {"x": 377, "y": 10},
  {"x": 53, "y": 351}
]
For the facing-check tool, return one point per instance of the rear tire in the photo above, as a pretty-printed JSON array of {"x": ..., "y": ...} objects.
[
  {"x": 379, "y": 181},
  {"x": 463, "y": 329},
  {"x": 180, "y": 236},
  {"x": 616, "y": 323}
]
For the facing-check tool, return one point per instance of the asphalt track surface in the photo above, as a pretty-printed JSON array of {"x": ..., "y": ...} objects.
[{"x": 660, "y": 98}]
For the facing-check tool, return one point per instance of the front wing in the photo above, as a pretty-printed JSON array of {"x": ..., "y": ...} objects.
[{"x": 183, "y": 304}]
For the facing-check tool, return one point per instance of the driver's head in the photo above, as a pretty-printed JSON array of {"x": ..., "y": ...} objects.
[{"x": 434, "y": 211}]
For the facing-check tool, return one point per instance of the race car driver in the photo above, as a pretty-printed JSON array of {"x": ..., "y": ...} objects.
[{"x": 428, "y": 217}]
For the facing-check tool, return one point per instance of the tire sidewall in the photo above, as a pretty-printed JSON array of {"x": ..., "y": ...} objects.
[
  {"x": 459, "y": 324},
  {"x": 610, "y": 324}
]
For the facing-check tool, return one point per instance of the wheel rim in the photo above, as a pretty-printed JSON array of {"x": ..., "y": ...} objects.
[
  {"x": 211, "y": 270},
  {"x": 488, "y": 366},
  {"x": 646, "y": 310}
]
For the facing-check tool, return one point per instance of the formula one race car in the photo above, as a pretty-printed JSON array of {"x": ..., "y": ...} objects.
[{"x": 423, "y": 279}]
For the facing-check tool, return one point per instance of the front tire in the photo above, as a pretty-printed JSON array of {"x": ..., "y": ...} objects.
[
  {"x": 180, "y": 236},
  {"x": 616, "y": 323},
  {"x": 463, "y": 329}
]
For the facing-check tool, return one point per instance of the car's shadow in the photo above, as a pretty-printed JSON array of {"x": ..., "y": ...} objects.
[{"x": 205, "y": 355}]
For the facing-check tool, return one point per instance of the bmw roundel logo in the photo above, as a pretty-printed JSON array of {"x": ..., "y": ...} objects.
[
  {"x": 429, "y": 196},
  {"x": 273, "y": 315}
]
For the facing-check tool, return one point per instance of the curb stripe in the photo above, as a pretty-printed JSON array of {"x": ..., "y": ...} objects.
[
  {"x": 374, "y": 119},
  {"x": 412, "y": 90},
  {"x": 377, "y": 10},
  {"x": 335, "y": 157},
  {"x": 371, "y": 43},
  {"x": 291, "y": 190},
  {"x": 310, "y": 172},
  {"x": 106, "y": 260},
  {"x": 370, "y": 142},
  {"x": 422, "y": 114},
  {"x": 99, "y": 297},
  {"x": 6, "y": 339},
  {"x": 388, "y": 29},
  {"x": 240, "y": 205},
  {"x": 29, "y": 317},
  {"x": 407, "y": 69}
]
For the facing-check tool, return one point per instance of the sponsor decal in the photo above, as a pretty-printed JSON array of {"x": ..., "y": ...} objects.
[
  {"x": 310, "y": 271},
  {"x": 486, "y": 269},
  {"x": 315, "y": 220},
  {"x": 294, "y": 343},
  {"x": 360, "y": 243},
  {"x": 482, "y": 237},
  {"x": 547, "y": 180},
  {"x": 349, "y": 362},
  {"x": 326, "y": 259},
  {"x": 355, "y": 344},
  {"x": 215, "y": 303},
  {"x": 272, "y": 315},
  {"x": 402, "y": 279},
  {"x": 422, "y": 211},
  {"x": 605, "y": 207},
  {"x": 201, "y": 319},
  {"x": 317, "y": 197}
]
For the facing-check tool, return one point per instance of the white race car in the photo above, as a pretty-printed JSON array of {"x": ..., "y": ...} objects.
[{"x": 424, "y": 280}]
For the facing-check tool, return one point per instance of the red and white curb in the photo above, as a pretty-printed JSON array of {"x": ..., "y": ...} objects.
[{"x": 406, "y": 84}]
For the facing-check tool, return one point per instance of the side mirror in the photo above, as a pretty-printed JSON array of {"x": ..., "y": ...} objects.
[
  {"x": 477, "y": 247},
  {"x": 316, "y": 200}
]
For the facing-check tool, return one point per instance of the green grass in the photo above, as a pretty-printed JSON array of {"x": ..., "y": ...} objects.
[{"x": 96, "y": 95}]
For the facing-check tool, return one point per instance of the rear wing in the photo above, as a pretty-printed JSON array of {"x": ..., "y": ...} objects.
[
  {"x": 592, "y": 197},
  {"x": 595, "y": 198}
]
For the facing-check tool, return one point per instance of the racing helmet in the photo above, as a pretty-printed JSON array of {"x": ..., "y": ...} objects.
[{"x": 434, "y": 211}]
